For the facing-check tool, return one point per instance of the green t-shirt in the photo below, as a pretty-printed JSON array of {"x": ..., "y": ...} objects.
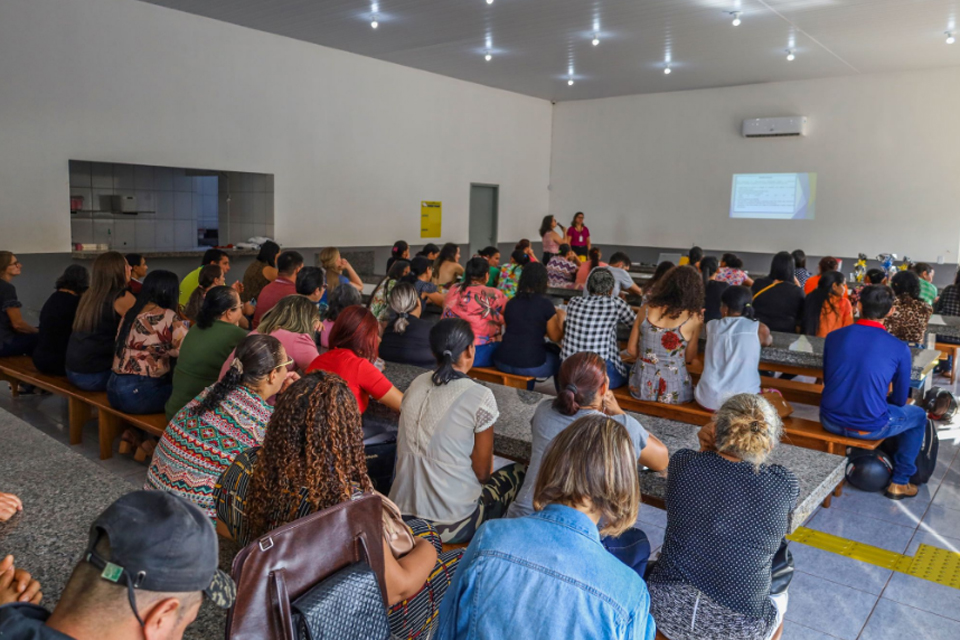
[
  {"x": 928, "y": 291},
  {"x": 493, "y": 277},
  {"x": 190, "y": 282},
  {"x": 202, "y": 355}
]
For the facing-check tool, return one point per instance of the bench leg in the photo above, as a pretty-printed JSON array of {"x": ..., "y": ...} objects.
[
  {"x": 827, "y": 501},
  {"x": 839, "y": 490},
  {"x": 14, "y": 385},
  {"x": 108, "y": 431},
  {"x": 79, "y": 414}
]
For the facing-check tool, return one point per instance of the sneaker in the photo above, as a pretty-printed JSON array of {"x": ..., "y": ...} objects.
[{"x": 901, "y": 491}]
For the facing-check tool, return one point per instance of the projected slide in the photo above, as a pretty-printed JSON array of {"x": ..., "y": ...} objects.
[{"x": 773, "y": 196}]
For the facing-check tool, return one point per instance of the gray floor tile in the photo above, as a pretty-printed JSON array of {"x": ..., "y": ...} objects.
[
  {"x": 941, "y": 520},
  {"x": 828, "y": 607},
  {"x": 837, "y": 568},
  {"x": 796, "y": 631},
  {"x": 862, "y": 528},
  {"x": 923, "y": 594},
  {"x": 652, "y": 515},
  {"x": 948, "y": 494},
  {"x": 907, "y": 513},
  {"x": 894, "y": 621}
]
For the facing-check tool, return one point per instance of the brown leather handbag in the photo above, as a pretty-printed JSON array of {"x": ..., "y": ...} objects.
[{"x": 284, "y": 564}]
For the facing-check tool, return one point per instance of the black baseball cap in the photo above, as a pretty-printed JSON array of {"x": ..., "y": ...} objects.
[{"x": 160, "y": 542}]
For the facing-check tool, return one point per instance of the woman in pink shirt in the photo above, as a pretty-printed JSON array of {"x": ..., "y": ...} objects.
[
  {"x": 481, "y": 306},
  {"x": 551, "y": 239},
  {"x": 592, "y": 263},
  {"x": 578, "y": 235}
]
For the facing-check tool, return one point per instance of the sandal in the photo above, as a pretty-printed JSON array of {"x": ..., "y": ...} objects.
[
  {"x": 145, "y": 450},
  {"x": 130, "y": 440}
]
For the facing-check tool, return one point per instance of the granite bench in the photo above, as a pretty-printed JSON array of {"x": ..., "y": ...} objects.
[
  {"x": 819, "y": 473},
  {"x": 81, "y": 404}
]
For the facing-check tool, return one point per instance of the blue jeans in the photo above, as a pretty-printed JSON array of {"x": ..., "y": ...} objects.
[
  {"x": 617, "y": 379},
  {"x": 89, "y": 381},
  {"x": 631, "y": 548},
  {"x": 906, "y": 427},
  {"x": 485, "y": 353},
  {"x": 138, "y": 395},
  {"x": 21, "y": 344},
  {"x": 546, "y": 370}
]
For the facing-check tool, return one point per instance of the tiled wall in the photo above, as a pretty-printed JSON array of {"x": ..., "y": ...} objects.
[
  {"x": 246, "y": 206},
  {"x": 172, "y": 206}
]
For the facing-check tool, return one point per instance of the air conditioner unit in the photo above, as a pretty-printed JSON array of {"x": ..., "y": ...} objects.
[{"x": 774, "y": 127}]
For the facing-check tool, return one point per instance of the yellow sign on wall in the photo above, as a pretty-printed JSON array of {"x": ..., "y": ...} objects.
[{"x": 431, "y": 215}]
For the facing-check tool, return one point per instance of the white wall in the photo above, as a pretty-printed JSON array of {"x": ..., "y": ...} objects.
[
  {"x": 355, "y": 143},
  {"x": 655, "y": 170}
]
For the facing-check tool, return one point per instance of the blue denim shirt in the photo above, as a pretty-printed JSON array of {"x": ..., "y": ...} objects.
[{"x": 544, "y": 576}]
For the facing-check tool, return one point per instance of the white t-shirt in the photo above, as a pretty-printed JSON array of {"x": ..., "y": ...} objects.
[
  {"x": 621, "y": 280},
  {"x": 730, "y": 361},
  {"x": 434, "y": 474}
]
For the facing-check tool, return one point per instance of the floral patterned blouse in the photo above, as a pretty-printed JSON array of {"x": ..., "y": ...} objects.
[
  {"x": 909, "y": 319},
  {"x": 155, "y": 337},
  {"x": 479, "y": 305},
  {"x": 378, "y": 303},
  {"x": 660, "y": 373},
  {"x": 509, "y": 277},
  {"x": 733, "y": 277}
]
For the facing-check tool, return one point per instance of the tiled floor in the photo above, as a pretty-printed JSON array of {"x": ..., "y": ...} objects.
[{"x": 830, "y": 597}]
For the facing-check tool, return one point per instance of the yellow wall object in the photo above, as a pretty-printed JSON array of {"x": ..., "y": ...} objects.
[{"x": 431, "y": 218}]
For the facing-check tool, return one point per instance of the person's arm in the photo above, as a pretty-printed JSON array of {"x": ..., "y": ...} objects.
[
  {"x": 633, "y": 344},
  {"x": 435, "y": 298},
  {"x": 9, "y": 505},
  {"x": 693, "y": 343},
  {"x": 763, "y": 332},
  {"x": 901, "y": 379},
  {"x": 654, "y": 455},
  {"x": 635, "y": 290},
  {"x": 16, "y": 585},
  {"x": 243, "y": 323},
  {"x": 555, "y": 327},
  {"x": 392, "y": 398},
  {"x": 748, "y": 281},
  {"x": 406, "y": 576},
  {"x": 124, "y": 303},
  {"x": 18, "y": 323},
  {"x": 355, "y": 280},
  {"x": 270, "y": 273},
  {"x": 481, "y": 458}
]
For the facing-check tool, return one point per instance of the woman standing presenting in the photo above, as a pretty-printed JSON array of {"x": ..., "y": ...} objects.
[
  {"x": 578, "y": 235},
  {"x": 551, "y": 239}
]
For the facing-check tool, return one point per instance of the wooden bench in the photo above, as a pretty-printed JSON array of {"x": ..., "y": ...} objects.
[
  {"x": 489, "y": 374},
  {"x": 946, "y": 350},
  {"x": 80, "y": 404},
  {"x": 791, "y": 390}
]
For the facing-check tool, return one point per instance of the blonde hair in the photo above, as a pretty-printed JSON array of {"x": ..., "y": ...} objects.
[
  {"x": 295, "y": 313},
  {"x": 748, "y": 427},
  {"x": 592, "y": 460},
  {"x": 330, "y": 261}
]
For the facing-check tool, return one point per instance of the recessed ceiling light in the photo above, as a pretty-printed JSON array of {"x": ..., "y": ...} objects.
[
  {"x": 596, "y": 39},
  {"x": 950, "y": 37},
  {"x": 489, "y": 1},
  {"x": 667, "y": 70},
  {"x": 488, "y": 57},
  {"x": 736, "y": 18},
  {"x": 791, "y": 55},
  {"x": 570, "y": 82},
  {"x": 373, "y": 21}
]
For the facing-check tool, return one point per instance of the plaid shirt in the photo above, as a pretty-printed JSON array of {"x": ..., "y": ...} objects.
[
  {"x": 949, "y": 302},
  {"x": 591, "y": 325}
]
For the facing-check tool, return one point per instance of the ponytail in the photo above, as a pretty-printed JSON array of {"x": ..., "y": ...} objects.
[
  {"x": 217, "y": 302},
  {"x": 594, "y": 257},
  {"x": 449, "y": 338},
  {"x": 402, "y": 300},
  {"x": 256, "y": 356},
  {"x": 582, "y": 376}
]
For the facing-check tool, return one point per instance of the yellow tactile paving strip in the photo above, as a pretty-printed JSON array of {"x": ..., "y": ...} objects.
[{"x": 930, "y": 563}]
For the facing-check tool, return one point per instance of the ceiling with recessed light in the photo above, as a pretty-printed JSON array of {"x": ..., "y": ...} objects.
[{"x": 614, "y": 47}]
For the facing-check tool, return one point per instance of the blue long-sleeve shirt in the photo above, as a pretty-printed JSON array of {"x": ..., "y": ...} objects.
[{"x": 859, "y": 363}]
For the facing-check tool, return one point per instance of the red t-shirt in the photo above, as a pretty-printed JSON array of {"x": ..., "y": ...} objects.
[
  {"x": 269, "y": 297},
  {"x": 361, "y": 376}
]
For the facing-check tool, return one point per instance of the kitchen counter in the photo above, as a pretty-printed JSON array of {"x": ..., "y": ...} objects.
[{"x": 190, "y": 253}]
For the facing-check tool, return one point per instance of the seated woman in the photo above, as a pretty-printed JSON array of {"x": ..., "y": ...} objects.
[
  {"x": 593, "y": 261},
  {"x": 421, "y": 277},
  {"x": 378, "y": 299},
  {"x": 342, "y": 297},
  {"x": 948, "y": 304},
  {"x": 800, "y": 267},
  {"x": 666, "y": 338},
  {"x": 206, "y": 347},
  {"x": 524, "y": 246},
  {"x": 585, "y": 391},
  {"x": 713, "y": 288},
  {"x": 399, "y": 251},
  {"x": 17, "y": 337},
  {"x": 294, "y": 321},
  {"x": 731, "y": 271},
  {"x": 910, "y": 314},
  {"x": 447, "y": 269},
  {"x": 826, "y": 308},
  {"x": 530, "y": 317},
  {"x": 354, "y": 342},
  {"x": 732, "y": 358},
  {"x": 445, "y": 444},
  {"x": 211, "y": 276},
  {"x": 827, "y": 264},
  {"x": 56, "y": 320},
  {"x": 149, "y": 338},
  {"x": 339, "y": 271},
  {"x": 510, "y": 273},
  {"x": 591, "y": 325},
  {"x": 714, "y": 573},
  {"x": 550, "y": 239},
  {"x": 406, "y": 338},
  {"x": 310, "y": 283},
  {"x": 492, "y": 255},
  {"x": 92, "y": 343},
  {"x": 562, "y": 268},
  {"x": 312, "y": 459},
  {"x": 658, "y": 274},
  {"x": 226, "y": 418},
  {"x": 482, "y": 306},
  {"x": 547, "y": 573},
  {"x": 261, "y": 272},
  {"x": 777, "y": 299}
]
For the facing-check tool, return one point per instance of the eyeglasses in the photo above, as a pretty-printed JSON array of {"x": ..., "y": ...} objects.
[{"x": 284, "y": 365}]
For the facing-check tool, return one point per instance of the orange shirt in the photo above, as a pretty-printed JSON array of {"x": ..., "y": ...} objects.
[
  {"x": 812, "y": 282},
  {"x": 831, "y": 320}
]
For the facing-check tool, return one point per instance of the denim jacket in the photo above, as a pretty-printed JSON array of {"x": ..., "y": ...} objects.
[{"x": 543, "y": 577}]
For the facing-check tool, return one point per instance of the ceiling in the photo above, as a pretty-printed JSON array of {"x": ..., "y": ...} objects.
[{"x": 537, "y": 44}]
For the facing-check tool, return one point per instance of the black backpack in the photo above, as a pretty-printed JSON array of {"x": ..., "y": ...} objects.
[{"x": 926, "y": 459}]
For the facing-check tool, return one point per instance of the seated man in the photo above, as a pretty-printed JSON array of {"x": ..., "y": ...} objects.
[
  {"x": 150, "y": 559},
  {"x": 289, "y": 265},
  {"x": 619, "y": 266},
  {"x": 859, "y": 364},
  {"x": 928, "y": 290}
]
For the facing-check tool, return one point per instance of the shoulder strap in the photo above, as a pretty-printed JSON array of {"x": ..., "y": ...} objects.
[{"x": 766, "y": 288}]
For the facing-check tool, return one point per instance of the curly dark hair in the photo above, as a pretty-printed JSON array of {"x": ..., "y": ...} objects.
[
  {"x": 313, "y": 448},
  {"x": 679, "y": 290}
]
